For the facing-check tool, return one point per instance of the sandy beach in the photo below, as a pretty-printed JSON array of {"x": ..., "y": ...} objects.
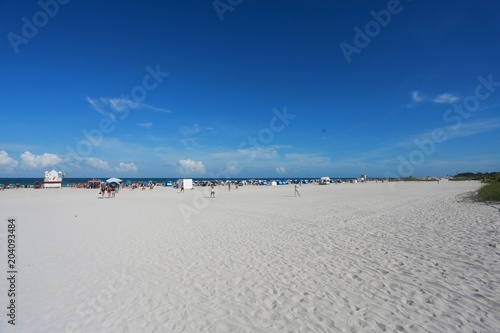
[{"x": 374, "y": 257}]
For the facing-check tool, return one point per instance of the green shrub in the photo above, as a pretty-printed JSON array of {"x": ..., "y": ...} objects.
[{"x": 489, "y": 192}]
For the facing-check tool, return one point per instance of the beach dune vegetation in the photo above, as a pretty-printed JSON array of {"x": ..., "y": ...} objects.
[{"x": 489, "y": 192}]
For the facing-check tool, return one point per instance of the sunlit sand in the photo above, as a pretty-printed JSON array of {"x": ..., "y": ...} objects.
[{"x": 374, "y": 257}]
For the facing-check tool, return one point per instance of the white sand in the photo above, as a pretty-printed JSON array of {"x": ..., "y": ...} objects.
[{"x": 341, "y": 258}]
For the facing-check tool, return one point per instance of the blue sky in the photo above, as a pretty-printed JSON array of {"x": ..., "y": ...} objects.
[{"x": 238, "y": 88}]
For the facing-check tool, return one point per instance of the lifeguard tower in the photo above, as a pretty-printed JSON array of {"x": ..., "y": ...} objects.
[{"x": 53, "y": 179}]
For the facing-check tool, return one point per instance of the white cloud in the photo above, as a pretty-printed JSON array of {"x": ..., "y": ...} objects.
[
  {"x": 145, "y": 125},
  {"x": 445, "y": 98},
  {"x": 38, "y": 161},
  {"x": 7, "y": 162},
  {"x": 416, "y": 97},
  {"x": 281, "y": 170},
  {"x": 126, "y": 167},
  {"x": 96, "y": 163},
  {"x": 191, "y": 167}
]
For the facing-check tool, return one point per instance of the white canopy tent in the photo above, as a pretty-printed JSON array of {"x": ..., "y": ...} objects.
[{"x": 114, "y": 180}]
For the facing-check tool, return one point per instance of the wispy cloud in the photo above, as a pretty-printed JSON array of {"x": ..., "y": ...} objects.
[
  {"x": 464, "y": 162},
  {"x": 189, "y": 142},
  {"x": 472, "y": 128},
  {"x": 268, "y": 153},
  {"x": 445, "y": 98},
  {"x": 211, "y": 130},
  {"x": 96, "y": 106},
  {"x": 281, "y": 170},
  {"x": 465, "y": 129},
  {"x": 446, "y": 133},
  {"x": 416, "y": 96},
  {"x": 259, "y": 153},
  {"x": 145, "y": 125},
  {"x": 109, "y": 106},
  {"x": 190, "y": 130},
  {"x": 306, "y": 158}
]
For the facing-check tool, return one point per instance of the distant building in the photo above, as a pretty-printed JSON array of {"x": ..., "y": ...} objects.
[{"x": 53, "y": 179}]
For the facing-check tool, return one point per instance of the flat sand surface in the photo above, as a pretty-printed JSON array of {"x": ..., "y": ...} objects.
[{"x": 374, "y": 257}]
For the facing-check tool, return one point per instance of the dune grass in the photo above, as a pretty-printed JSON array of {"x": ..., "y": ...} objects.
[{"x": 489, "y": 192}]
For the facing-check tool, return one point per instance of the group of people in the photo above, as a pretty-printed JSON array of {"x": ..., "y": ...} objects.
[
  {"x": 109, "y": 188},
  {"x": 229, "y": 186}
]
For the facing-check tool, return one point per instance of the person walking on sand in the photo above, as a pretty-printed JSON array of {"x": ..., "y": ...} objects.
[
  {"x": 182, "y": 188},
  {"x": 103, "y": 189},
  {"x": 212, "y": 191},
  {"x": 296, "y": 191}
]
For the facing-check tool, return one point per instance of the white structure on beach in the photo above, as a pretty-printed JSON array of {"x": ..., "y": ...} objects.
[
  {"x": 188, "y": 183},
  {"x": 324, "y": 181},
  {"x": 53, "y": 179}
]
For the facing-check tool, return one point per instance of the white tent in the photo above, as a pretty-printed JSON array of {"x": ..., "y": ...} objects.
[
  {"x": 114, "y": 180},
  {"x": 188, "y": 183}
]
